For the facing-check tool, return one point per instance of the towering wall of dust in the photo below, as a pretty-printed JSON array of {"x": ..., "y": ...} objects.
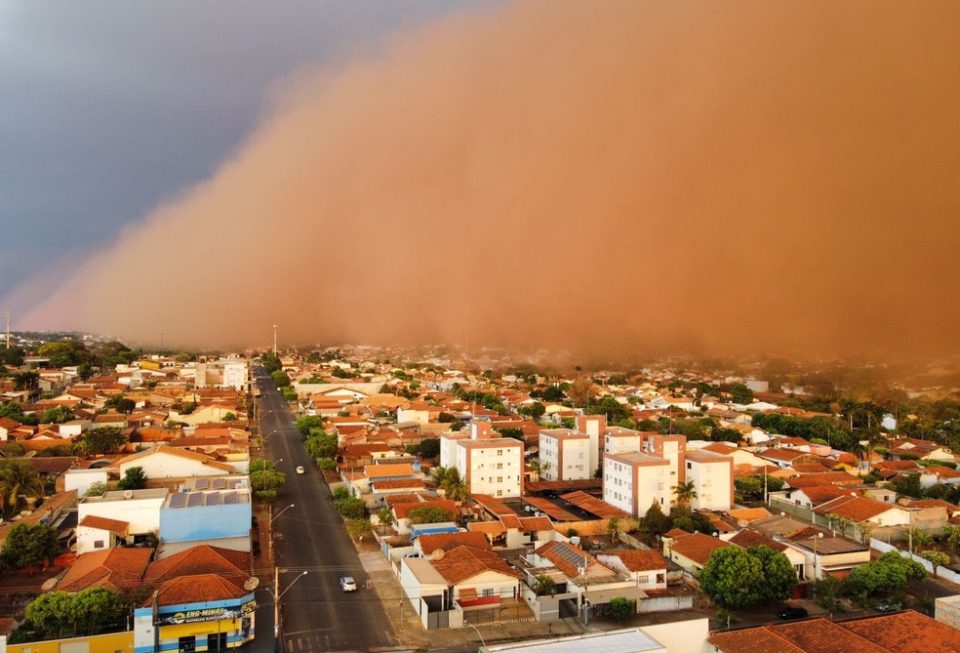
[{"x": 717, "y": 176}]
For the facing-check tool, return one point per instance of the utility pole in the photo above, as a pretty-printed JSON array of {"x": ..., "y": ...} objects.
[
  {"x": 8, "y": 327},
  {"x": 275, "y": 339},
  {"x": 161, "y": 342}
]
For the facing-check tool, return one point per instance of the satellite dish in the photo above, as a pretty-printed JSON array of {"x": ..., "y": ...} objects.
[{"x": 251, "y": 583}]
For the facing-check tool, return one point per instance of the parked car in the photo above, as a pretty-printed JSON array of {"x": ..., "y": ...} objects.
[
  {"x": 348, "y": 584},
  {"x": 792, "y": 612},
  {"x": 888, "y": 605},
  {"x": 300, "y": 469}
]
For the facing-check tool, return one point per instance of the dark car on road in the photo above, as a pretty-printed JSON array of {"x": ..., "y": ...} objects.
[{"x": 792, "y": 612}]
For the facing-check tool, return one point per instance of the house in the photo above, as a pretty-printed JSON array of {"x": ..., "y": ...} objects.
[
  {"x": 748, "y": 538},
  {"x": 401, "y": 512},
  {"x": 119, "y": 570},
  {"x": 633, "y": 481},
  {"x": 647, "y": 568},
  {"x": 164, "y": 462},
  {"x": 915, "y": 449},
  {"x": 712, "y": 478},
  {"x": 828, "y": 555},
  {"x": 862, "y": 511},
  {"x": 7, "y": 426},
  {"x": 138, "y": 509},
  {"x": 900, "y": 632},
  {"x": 690, "y": 551},
  {"x": 564, "y": 455}
]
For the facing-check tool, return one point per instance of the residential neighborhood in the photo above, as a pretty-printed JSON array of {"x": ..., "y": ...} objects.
[{"x": 211, "y": 501}]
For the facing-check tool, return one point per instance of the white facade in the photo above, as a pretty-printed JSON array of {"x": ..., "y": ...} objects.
[
  {"x": 81, "y": 479},
  {"x": 712, "y": 478},
  {"x": 633, "y": 481},
  {"x": 491, "y": 466},
  {"x": 139, "y": 508},
  {"x": 235, "y": 374},
  {"x": 564, "y": 455},
  {"x": 621, "y": 441}
]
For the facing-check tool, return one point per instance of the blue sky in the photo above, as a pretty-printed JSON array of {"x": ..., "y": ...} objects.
[{"x": 111, "y": 106}]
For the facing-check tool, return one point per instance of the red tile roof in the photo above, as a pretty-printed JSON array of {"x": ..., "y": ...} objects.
[
  {"x": 115, "y": 526},
  {"x": 117, "y": 569},
  {"x": 465, "y": 562},
  {"x": 447, "y": 541},
  {"x": 636, "y": 560},
  {"x": 698, "y": 547}
]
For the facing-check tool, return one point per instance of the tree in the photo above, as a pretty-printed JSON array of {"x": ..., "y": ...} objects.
[
  {"x": 826, "y": 593},
  {"x": 121, "y": 404},
  {"x": 430, "y": 448},
  {"x": 57, "y": 415},
  {"x": 655, "y": 522},
  {"x": 133, "y": 479},
  {"x": 581, "y": 391},
  {"x": 951, "y": 537},
  {"x": 18, "y": 479},
  {"x": 104, "y": 440},
  {"x": 97, "y": 609},
  {"x": 908, "y": 485},
  {"x": 26, "y": 380},
  {"x": 887, "y": 575},
  {"x": 29, "y": 545},
  {"x": 621, "y": 608},
  {"x": 737, "y": 578},
  {"x": 613, "y": 529},
  {"x": 97, "y": 489},
  {"x": 535, "y": 410},
  {"x": 685, "y": 493},
  {"x": 280, "y": 379},
  {"x": 544, "y": 585},
  {"x": 327, "y": 464},
  {"x": 352, "y": 508},
  {"x": 385, "y": 515},
  {"x": 271, "y": 362},
  {"x": 65, "y": 353},
  {"x": 265, "y": 480},
  {"x": 49, "y": 614},
  {"x": 741, "y": 394},
  {"x": 936, "y": 558},
  {"x": 358, "y": 527},
  {"x": 308, "y": 424},
  {"x": 430, "y": 515}
]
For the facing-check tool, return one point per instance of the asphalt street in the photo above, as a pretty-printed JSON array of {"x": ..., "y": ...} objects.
[{"x": 316, "y": 615}]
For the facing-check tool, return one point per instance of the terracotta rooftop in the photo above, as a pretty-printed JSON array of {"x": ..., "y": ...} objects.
[
  {"x": 447, "y": 541},
  {"x": 748, "y": 538},
  {"x": 115, "y": 526},
  {"x": 698, "y": 547},
  {"x": 117, "y": 569},
  {"x": 464, "y": 562},
  {"x": 636, "y": 560},
  {"x": 592, "y": 505},
  {"x": 857, "y": 509},
  {"x": 907, "y": 632},
  {"x": 199, "y": 560},
  {"x": 402, "y": 510},
  {"x": 199, "y": 588}
]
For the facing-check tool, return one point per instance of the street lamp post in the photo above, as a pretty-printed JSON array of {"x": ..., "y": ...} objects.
[
  {"x": 277, "y": 595},
  {"x": 816, "y": 558},
  {"x": 478, "y": 635}
]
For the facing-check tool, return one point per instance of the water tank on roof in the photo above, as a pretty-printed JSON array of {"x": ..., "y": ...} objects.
[
  {"x": 575, "y": 540},
  {"x": 128, "y": 494}
]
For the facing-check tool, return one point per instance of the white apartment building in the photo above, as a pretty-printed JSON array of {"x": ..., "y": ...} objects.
[
  {"x": 487, "y": 464},
  {"x": 671, "y": 447},
  {"x": 564, "y": 455},
  {"x": 633, "y": 481},
  {"x": 224, "y": 373},
  {"x": 621, "y": 440},
  {"x": 712, "y": 478},
  {"x": 594, "y": 426}
]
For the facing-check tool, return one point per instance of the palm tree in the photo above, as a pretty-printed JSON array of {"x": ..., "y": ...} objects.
[
  {"x": 438, "y": 475},
  {"x": 18, "y": 479},
  {"x": 685, "y": 493},
  {"x": 454, "y": 486}
]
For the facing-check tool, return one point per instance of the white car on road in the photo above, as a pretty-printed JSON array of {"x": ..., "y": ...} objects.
[{"x": 300, "y": 469}]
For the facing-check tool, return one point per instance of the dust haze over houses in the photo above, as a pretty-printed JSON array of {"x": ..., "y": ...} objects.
[{"x": 737, "y": 177}]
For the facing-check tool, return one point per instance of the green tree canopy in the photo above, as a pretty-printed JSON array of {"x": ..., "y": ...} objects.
[
  {"x": 352, "y": 508},
  {"x": 887, "y": 575},
  {"x": 18, "y": 479},
  {"x": 133, "y": 479},
  {"x": 737, "y": 578},
  {"x": 621, "y": 608},
  {"x": 29, "y": 545},
  {"x": 57, "y": 415},
  {"x": 280, "y": 379},
  {"x": 430, "y": 515},
  {"x": 103, "y": 440},
  {"x": 64, "y": 353},
  {"x": 655, "y": 522}
]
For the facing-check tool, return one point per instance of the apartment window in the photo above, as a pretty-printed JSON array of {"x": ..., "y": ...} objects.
[
  {"x": 499, "y": 452},
  {"x": 487, "y": 591},
  {"x": 499, "y": 465},
  {"x": 661, "y": 578},
  {"x": 98, "y": 544},
  {"x": 499, "y": 493},
  {"x": 643, "y": 580},
  {"x": 689, "y": 465},
  {"x": 499, "y": 479}
]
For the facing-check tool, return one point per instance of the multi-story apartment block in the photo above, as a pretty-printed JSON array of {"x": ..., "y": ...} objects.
[
  {"x": 712, "y": 478},
  {"x": 633, "y": 481},
  {"x": 565, "y": 455},
  {"x": 487, "y": 464}
]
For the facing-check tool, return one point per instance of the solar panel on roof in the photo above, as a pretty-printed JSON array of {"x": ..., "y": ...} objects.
[
  {"x": 569, "y": 555},
  {"x": 203, "y": 484},
  {"x": 178, "y": 500},
  {"x": 194, "y": 499},
  {"x": 214, "y": 498},
  {"x": 230, "y": 498},
  {"x": 219, "y": 484}
]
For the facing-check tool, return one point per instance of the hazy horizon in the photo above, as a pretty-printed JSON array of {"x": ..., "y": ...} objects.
[{"x": 608, "y": 178}]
